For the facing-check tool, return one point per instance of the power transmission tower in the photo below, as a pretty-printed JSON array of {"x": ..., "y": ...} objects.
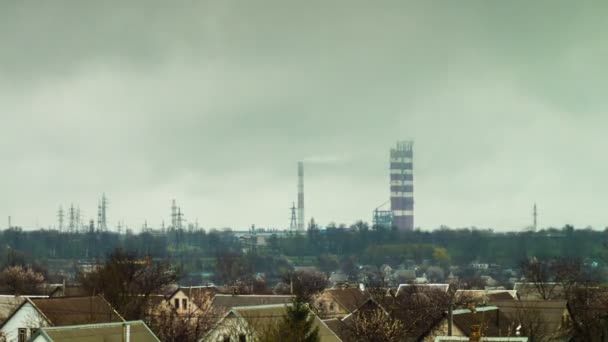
[
  {"x": 104, "y": 212},
  {"x": 173, "y": 215},
  {"x": 72, "y": 219},
  {"x": 60, "y": 217},
  {"x": 293, "y": 224}
]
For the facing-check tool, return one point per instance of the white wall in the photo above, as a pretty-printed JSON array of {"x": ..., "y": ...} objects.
[{"x": 26, "y": 317}]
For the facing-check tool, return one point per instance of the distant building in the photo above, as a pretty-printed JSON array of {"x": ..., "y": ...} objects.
[{"x": 402, "y": 185}]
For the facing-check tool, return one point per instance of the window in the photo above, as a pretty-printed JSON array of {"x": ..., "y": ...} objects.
[
  {"x": 177, "y": 303},
  {"x": 184, "y": 303},
  {"x": 22, "y": 334},
  {"x": 226, "y": 338},
  {"x": 242, "y": 338},
  {"x": 33, "y": 331}
]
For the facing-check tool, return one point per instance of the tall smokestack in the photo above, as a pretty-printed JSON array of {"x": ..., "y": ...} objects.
[
  {"x": 402, "y": 185},
  {"x": 301, "y": 220}
]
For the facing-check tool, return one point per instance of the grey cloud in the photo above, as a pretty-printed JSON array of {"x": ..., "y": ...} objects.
[{"x": 213, "y": 102}]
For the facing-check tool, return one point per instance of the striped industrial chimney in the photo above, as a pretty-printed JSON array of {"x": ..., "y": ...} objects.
[{"x": 402, "y": 185}]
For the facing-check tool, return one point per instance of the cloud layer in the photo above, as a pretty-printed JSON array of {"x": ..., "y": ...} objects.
[{"x": 214, "y": 102}]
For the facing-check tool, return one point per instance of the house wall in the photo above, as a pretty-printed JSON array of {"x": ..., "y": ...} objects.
[
  {"x": 232, "y": 326},
  {"x": 442, "y": 330},
  {"x": 329, "y": 308},
  {"x": 26, "y": 317},
  {"x": 181, "y": 297}
]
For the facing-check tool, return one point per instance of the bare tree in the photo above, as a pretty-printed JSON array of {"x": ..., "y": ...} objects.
[
  {"x": 21, "y": 280},
  {"x": 374, "y": 326},
  {"x": 539, "y": 275},
  {"x": 306, "y": 284},
  {"x": 127, "y": 282}
]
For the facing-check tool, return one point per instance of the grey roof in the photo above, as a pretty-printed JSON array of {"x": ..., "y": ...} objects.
[
  {"x": 107, "y": 332},
  {"x": 262, "y": 315},
  {"x": 224, "y": 303},
  {"x": 483, "y": 339},
  {"x": 551, "y": 312}
]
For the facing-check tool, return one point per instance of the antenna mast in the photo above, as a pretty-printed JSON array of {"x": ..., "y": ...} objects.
[{"x": 535, "y": 215}]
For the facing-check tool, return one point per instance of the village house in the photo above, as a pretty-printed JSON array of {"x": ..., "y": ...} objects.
[
  {"x": 339, "y": 302},
  {"x": 134, "y": 331},
  {"x": 548, "y": 317},
  {"x": 246, "y": 324},
  {"x": 489, "y": 319},
  {"x": 35, "y": 313},
  {"x": 222, "y": 303}
]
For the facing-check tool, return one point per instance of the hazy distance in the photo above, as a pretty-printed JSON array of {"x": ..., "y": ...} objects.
[{"x": 214, "y": 102}]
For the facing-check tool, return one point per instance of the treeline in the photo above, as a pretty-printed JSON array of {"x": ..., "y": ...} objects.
[
  {"x": 198, "y": 250},
  {"x": 378, "y": 245}
]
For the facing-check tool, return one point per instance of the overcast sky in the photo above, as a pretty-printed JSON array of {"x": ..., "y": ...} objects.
[{"x": 214, "y": 102}]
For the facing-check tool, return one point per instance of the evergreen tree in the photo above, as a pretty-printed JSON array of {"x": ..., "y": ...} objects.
[{"x": 298, "y": 324}]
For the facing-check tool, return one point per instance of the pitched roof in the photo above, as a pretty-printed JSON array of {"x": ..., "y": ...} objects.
[
  {"x": 339, "y": 328},
  {"x": 262, "y": 315},
  {"x": 197, "y": 292},
  {"x": 76, "y": 310},
  {"x": 550, "y": 311},
  {"x": 485, "y": 296},
  {"x": 226, "y": 302},
  {"x": 483, "y": 339},
  {"x": 68, "y": 291},
  {"x": 500, "y": 296},
  {"x": 442, "y": 287},
  {"x": 107, "y": 332},
  {"x": 492, "y": 321},
  {"x": 349, "y": 298}
]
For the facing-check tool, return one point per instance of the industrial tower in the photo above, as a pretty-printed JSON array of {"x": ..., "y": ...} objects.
[
  {"x": 301, "y": 219},
  {"x": 402, "y": 185}
]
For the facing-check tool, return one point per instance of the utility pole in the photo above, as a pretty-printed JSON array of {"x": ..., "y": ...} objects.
[{"x": 450, "y": 316}]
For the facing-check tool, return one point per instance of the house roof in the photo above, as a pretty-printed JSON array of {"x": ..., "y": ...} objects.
[
  {"x": 76, "y": 310},
  {"x": 107, "y": 332},
  {"x": 483, "y": 339},
  {"x": 262, "y": 315},
  {"x": 500, "y": 296},
  {"x": 339, "y": 328},
  {"x": 492, "y": 321},
  {"x": 349, "y": 298},
  {"x": 226, "y": 302},
  {"x": 550, "y": 311},
  {"x": 485, "y": 296},
  {"x": 68, "y": 291},
  {"x": 198, "y": 292},
  {"x": 529, "y": 291},
  {"x": 442, "y": 287}
]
